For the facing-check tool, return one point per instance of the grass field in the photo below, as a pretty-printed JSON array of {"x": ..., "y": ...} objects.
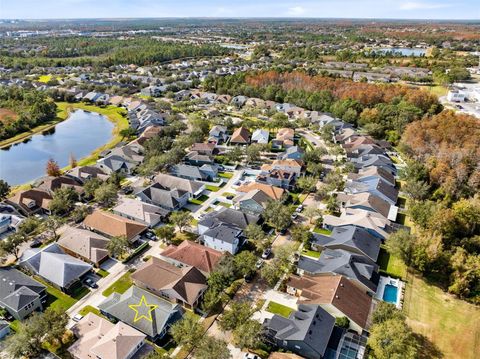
[
  {"x": 89, "y": 309},
  {"x": 279, "y": 309},
  {"x": 198, "y": 200},
  {"x": 452, "y": 325},
  {"x": 56, "y": 298},
  {"x": 438, "y": 90},
  {"x": 310, "y": 253},
  {"x": 120, "y": 286},
  {"x": 323, "y": 231},
  {"x": 391, "y": 265},
  {"x": 212, "y": 188}
]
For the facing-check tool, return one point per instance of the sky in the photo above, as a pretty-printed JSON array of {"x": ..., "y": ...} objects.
[{"x": 395, "y": 9}]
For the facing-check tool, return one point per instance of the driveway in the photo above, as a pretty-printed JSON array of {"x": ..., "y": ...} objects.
[{"x": 214, "y": 196}]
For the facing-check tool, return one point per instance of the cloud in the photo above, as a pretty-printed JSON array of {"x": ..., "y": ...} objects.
[
  {"x": 416, "y": 5},
  {"x": 296, "y": 11}
]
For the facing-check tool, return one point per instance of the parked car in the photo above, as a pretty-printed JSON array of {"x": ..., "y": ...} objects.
[
  {"x": 250, "y": 356},
  {"x": 259, "y": 263},
  {"x": 266, "y": 253},
  {"x": 36, "y": 243},
  {"x": 294, "y": 215},
  {"x": 299, "y": 208},
  {"x": 230, "y": 196},
  {"x": 77, "y": 317},
  {"x": 89, "y": 282},
  {"x": 150, "y": 235}
]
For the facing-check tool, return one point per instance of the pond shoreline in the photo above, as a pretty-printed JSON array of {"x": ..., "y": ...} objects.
[{"x": 114, "y": 115}]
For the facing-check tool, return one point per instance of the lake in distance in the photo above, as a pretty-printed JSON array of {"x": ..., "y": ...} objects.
[{"x": 80, "y": 134}]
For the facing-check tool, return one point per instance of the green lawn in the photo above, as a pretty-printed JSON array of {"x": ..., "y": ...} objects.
[
  {"x": 183, "y": 236},
  {"x": 120, "y": 286},
  {"x": 212, "y": 188},
  {"x": 310, "y": 253},
  {"x": 226, "y": 205},
  {"x": 89, "y": 309},
  {"x": 56, "y": 298},
  {"x": 452, "y": 325},
  {"x": 322, "y": 231},
  {"x": 198, "y": 200},
  {"x": 391, "y": 265},
  {"x": 280, "y": 309},
  {"x": 225, "y": 175},
  {"x": 102, "y": 273}
]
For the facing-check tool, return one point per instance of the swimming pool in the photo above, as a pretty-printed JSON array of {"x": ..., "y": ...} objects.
[{"x": 390, "y": 294}]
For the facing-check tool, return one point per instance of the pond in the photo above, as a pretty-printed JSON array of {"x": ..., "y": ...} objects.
[{"x": 80, "y": 134}]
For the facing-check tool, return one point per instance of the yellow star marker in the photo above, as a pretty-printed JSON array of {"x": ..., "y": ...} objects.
[{"x": 140, "y": 309}]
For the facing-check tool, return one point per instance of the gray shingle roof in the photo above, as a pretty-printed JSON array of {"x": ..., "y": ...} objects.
[
  {"x": 353, "y": 266},
  {"x": 229, "y": 216},
  {"x": 17, "y": 289},
  {"x": 117, "y": 305},
  {"x": 54, "y": 265},
  {"x": 355, "y": 239},
  {"x": 309, "y": 324},
  {"x": 225, "y": 232}
]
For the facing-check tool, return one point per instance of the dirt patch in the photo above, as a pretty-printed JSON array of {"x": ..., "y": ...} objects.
[{"x": 7, "y": 116}]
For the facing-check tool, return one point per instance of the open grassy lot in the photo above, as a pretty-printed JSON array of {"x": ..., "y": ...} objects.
[
  {"x": 120, "y": 286},
  {"x": 452, "y": 325},
  {"x": 183, "y": 236},
  {"x": 280, "y": 309}
]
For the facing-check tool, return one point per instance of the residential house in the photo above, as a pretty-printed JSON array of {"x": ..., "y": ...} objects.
[
  {"x": 239, "y": 101},
  {"x": 253, "y": 202},
  {"x": 364, "y": 150},
  {"x": 306, "y": 331},
  {"x": 20, "y": 295},
  {"x": 373, "y": 222},
  {"x": 112, "y": 225},
  {"x": 241, "y": 136},
  {"x": 189, "y": 253},
  {"x": 350, "y": 238},
  {"x": 284, "y": 138},
  {"x": 82, "y": 174},
  {"x": 368, "y": 202},
  {"x": 375, "y": 160},
  {"x": 223, "y": 230},
  {"x": 184, "y": 285},
  {"x": 194, "y": 173},
  {"x": 336, "y": 295},
  {"x": 255, "y": 102},
  {"x": 31, "y": 201},
  {"x": 131, "y": 152},
  {"x": 260, "y": 136},
  {"x": 115, "y": 100},
  {"x": 294, "y": 166},
  {"x": 100, "y": 338},
  {"x": 203, "y": 148},
  {"x": 142, "y": 310},
  {"x": 86, "y": 245},
  {"x": 275, "y": 193},
  {"x": 195, "y": 159},
  {"x": 375, "y": 186},
  {"x": 163, "y": 197},
  {"x": 10, "y": 219},
  {"x": 278, "y": 178},
  {"x": 55, "y": 266},
  {"x": 91, "y": 96},
  {"x": 193, "y": 188},
  {"x": 139, "y": 211},
  {"x": 373, "y": 172},
  {"x": 50, "y": 184},
  {"x": 218, "y": 134},
  {"x": 224, "y": 99},
  {"x": 4, "y": 328},
  {"x": 116, "y": 163},
  {"x": 357, "y": 268}
]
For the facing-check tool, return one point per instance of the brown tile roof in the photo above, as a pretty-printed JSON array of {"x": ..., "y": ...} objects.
[
  {"x": 23, "y": 198},
  {"x": 284, "y": 134},
  {"x": 188, "y": 282},
  {"x": 336, "y": 290},
  {"x": 99, "y": 338},
  {"x": 241, "y": 135},
  {"x": 112, "y": 225},
  {"x": 195, "y": 255},
  {"x": 202, "y": 147},
  {"x": 53, "y": 183},
  {"x": 273, "y": 192},
  {"x": 85, "y": 243}
]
